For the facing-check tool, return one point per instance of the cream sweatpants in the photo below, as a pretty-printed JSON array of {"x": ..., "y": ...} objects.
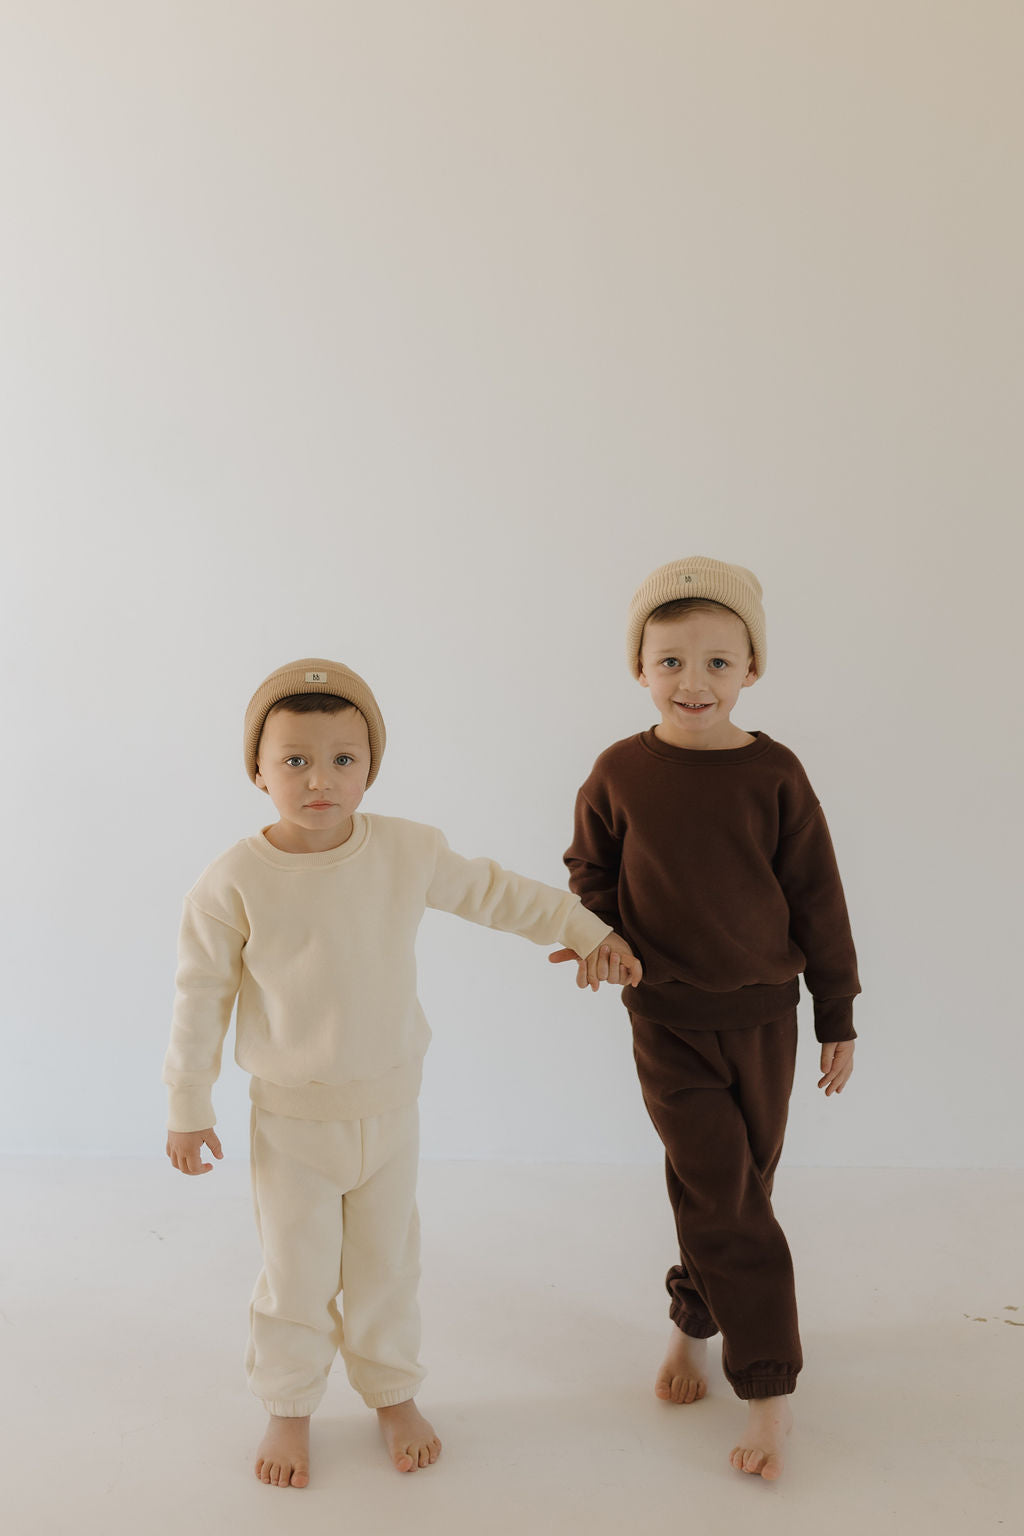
[{"x": 335, "y": 1204}]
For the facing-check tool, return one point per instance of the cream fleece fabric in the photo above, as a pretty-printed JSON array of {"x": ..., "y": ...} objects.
[
  {"x": 335, "y": 1204},
  {"x": 319, "y": 949}
]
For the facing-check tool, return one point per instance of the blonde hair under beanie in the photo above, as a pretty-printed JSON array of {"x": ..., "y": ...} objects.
[
  {"x": 698, "y": 576},
  {"x": 313, "y": 675}
]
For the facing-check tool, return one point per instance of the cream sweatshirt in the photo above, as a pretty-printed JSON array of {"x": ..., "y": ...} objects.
[{"x": 319, "y": 950}]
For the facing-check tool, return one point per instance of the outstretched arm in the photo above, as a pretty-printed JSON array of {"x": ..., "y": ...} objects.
[{"x": 481, "y": 891}]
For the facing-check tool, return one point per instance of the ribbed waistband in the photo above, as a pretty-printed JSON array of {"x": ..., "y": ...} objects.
[
  {"x": 340, "y": 1101},
  {"x": 676, "y": 1002}
]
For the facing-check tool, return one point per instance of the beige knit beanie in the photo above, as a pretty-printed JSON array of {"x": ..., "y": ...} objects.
[
  {"x": 698, "y": 576},
  {"x": 313, "y": 675}
]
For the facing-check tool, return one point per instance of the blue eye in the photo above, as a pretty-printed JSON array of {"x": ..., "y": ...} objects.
[
  {"x": 722, "y": 660},
  {"x": 295, "y": 759},
  {"x": 670, "y": 661},
  {"x": 343, "y": 757}
]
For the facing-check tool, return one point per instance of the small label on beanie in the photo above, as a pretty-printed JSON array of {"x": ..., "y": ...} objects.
[{"x": 316, "y": 677}]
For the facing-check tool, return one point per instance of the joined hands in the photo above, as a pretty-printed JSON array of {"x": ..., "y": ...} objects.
[{"x": 612, "y": 961}]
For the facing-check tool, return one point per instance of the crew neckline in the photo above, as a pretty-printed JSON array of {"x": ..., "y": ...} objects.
[
  {"x": 347, "y": 850},
  {"x": 710, "y": 757}
]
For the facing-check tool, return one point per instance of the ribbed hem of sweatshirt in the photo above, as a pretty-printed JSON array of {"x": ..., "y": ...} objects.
[
  {"x": 681, "y": 1006},
  {"x": 339, "y": 1101}
]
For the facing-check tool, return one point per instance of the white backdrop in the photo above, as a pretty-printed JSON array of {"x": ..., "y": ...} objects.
[{"x": 415, "y": 335}]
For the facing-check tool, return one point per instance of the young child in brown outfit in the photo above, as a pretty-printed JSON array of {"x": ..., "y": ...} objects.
[{"x": 705, "y": 846}]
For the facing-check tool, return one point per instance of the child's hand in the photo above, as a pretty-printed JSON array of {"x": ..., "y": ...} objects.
[
  {"x": 612, "y": 961},
  {"x": 185, "y": 1150},
  {"x": 837, "y": 1065}
]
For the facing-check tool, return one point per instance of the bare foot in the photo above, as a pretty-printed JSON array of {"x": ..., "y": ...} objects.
[
  {"x": 283, "y": 1456},
  {"x": 760, "y": 1451},
  {"x": 683, "y": 1374},
  {"x": 409, "y": 1438}
]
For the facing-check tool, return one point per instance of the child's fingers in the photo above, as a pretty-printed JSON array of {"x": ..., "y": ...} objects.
[
  {"x": 188, "y": 1158},
  {"x": 213, "y": 1142},
  {"x": 613, "y": 970},
  {"x": 602, "y": 962},
  {"x": 836, "y": 1065}
]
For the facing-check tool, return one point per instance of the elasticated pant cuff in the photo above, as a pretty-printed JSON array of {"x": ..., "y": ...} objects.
[
  {"x": 764, "y": 1386},
  {"x": 392, "y": 1398},
  {"x": 293, "y": 1410},
  {"x": 693, "y": 1327}
]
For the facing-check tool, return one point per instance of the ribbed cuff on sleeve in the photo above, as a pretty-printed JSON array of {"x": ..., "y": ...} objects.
[
  {"x": 833, "y": 1019},
  {"x": 190, "y": 1109},
  {"x": 583, "y": 931}
]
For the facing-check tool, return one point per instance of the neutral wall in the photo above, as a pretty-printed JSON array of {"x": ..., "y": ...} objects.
[{"x": 415, "y": 335}]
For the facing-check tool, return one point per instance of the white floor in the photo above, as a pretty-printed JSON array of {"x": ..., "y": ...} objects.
[{"x": 123, "y": 1292}]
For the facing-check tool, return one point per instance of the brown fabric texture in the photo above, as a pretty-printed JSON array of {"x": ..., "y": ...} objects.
[
  {"x": 719, "y": 1101},
  {"x": 718, "y": 868}
]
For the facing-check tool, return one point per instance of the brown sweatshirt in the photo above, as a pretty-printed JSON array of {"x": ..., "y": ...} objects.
[{"x": 718, "y": 868}]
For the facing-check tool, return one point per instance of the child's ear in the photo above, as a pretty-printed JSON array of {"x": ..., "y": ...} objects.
[
  {"x": 642, "y": 679},
  {"x": 261, "y": 783}
]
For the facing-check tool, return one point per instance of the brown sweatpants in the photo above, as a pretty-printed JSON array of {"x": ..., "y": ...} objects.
[{"x": 719, "y": 1101}]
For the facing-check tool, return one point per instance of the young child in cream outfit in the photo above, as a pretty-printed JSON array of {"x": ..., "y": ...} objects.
[{"x": 311, "y": 924}]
